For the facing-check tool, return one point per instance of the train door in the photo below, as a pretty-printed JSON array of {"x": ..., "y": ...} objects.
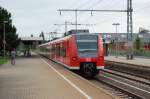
[
  {"x": 63, "y": 53},
  {"x": 67, "y": 53}
]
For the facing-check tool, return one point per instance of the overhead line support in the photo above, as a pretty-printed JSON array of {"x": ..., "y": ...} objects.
[
  {"x": 76, "y": 13},
  {"x": 92, "y": 10}
]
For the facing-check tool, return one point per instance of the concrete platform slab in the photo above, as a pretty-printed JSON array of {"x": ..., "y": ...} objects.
[
  {"x": 31, "y": 78},
  {"x": 135, "y": 61}
]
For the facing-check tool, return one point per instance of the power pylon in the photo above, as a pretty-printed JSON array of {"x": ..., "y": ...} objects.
[{"x": 129, "y": 30}]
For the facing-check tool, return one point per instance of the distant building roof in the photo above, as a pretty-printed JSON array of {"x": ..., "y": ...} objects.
[
  {"x": 73, "y": 31},
  {"x": 122, "y": 37},
  {"x": 31, "y": 38}
]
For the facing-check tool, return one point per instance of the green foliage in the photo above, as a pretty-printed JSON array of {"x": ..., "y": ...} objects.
[
  {"x": 12, "y": 40},
  {"x": 3, "y": 61},
  {"x": 138, "y": 43}
]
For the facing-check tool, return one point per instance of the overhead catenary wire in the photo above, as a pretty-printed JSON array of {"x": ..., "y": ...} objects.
[
  {"x": 83, "y": 5},
  {"x": 92, "y": 4},
  {"x": 106, "y": 16},
  {"x": 110, "y": 2}
]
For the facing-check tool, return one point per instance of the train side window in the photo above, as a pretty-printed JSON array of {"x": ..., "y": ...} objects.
[
  {"x": 64, "y": 52},
  {"x": 58, "y": 49},
  {"x": 53, "y": 49}
]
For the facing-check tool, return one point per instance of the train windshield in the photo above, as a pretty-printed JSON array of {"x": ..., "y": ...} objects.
[{"x": 87, "y": 45}]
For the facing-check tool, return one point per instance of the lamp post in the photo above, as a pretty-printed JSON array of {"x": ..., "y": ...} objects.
[
  {"x": 66, "y": 23},
  {"x": 4, "y": 41},
  {"x": 116, "y": 38}
]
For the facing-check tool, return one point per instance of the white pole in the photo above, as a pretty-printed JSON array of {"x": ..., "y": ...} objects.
[
  {"x": 116, "y": 38},
  {"x": 4, "y": 39}
]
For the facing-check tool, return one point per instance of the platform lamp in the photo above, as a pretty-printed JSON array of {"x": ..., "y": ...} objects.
[
  {"x": 116, "y": 45},
  {"x": 4, "y": 41}
]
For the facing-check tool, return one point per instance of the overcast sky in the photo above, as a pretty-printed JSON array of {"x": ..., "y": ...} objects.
[{"x": 34, "y": 16}]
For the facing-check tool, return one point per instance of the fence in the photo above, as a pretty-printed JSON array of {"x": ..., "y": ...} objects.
[{"x": 137, "y": 53}]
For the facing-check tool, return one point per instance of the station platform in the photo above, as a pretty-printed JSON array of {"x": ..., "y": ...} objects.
[
  {"x": 36, "y": 78},
  {"x": 145, "y": 62}
]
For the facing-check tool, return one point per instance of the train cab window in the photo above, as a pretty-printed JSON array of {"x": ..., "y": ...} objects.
[{"x": 87, "y": 45}]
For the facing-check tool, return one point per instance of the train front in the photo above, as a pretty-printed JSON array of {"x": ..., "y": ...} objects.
[{"x": 90, "y": 54}]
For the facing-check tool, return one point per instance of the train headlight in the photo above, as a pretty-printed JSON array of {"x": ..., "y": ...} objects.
[{"x": 74, "y": 58}]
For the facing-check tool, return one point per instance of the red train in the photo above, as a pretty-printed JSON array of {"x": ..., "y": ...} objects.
[{"x": 83, "y": 52}]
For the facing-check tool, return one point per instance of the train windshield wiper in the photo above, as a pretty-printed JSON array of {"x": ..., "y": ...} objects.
[{"x": 87, "y": 50}]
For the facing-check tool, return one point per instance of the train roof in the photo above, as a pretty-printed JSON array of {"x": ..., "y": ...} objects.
[{"x": 65, "y": 38}]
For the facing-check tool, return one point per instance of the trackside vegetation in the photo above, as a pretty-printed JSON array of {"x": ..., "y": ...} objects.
[{"x": 3, "y": 60}]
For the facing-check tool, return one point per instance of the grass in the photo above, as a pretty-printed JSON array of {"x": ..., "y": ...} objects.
[{"x": 3, "y": 60}]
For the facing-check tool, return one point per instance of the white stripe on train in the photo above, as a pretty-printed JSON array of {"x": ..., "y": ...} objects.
[{"x": 75, "y": 67}]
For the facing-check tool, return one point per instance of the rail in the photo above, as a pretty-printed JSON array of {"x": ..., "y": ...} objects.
[{"x": 128, "y": 85}]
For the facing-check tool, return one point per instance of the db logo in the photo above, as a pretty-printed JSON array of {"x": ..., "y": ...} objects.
[{"x": 88, "y": 59}]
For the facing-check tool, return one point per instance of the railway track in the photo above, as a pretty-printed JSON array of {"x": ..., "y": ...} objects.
[
  {"x": 136, "y": 70},
  {"x": 126, "y": 85}
]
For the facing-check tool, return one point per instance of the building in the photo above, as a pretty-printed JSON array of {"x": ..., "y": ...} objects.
[
  {"x": 118, "y": 42},
  {"x": 30, "y": 42},
  {"x": 121, "y": 38}
]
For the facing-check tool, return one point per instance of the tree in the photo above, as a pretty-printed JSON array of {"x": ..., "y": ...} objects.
[
  {"x": 143, "y": 30},
  {"x": 42, "y": 35},
  {"x": 31, "y": 35},
  {"x": 12, "y": 40},
  {"x": 138, "y": 43}
]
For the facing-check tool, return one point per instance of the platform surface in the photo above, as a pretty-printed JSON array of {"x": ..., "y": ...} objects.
[
  {"x": 33, "y": 78},
  {"x": 135, "y": 61}
]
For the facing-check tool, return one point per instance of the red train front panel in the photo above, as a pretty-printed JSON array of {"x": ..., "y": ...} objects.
[{"x": 94, "y": 54}]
